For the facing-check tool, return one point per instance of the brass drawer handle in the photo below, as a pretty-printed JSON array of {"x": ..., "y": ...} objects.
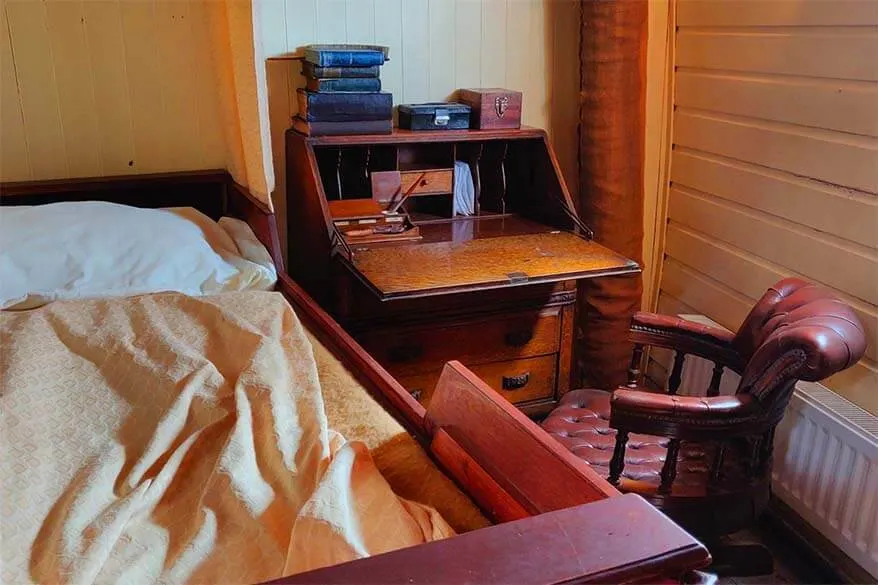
[
  {"x": 516, "y": 382},
  {"x": 518, "y": 338},
  {"x": 416, "y": 393},
  {"x": 404, "y": 353}
]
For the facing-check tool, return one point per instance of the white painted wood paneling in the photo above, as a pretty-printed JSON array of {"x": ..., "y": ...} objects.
[
  {"x": 107, "y": 88},
  {"x": 735, "y": 13},
  {"x": 774, "y": 170},
  {"x": 801, "y": 200},
  {"x": 109, "y": 78},
  {"x": 818, "y": 256},
  {"x": 845, "y": 106},
  {"x": 13, "y": 138},
  {"x": 76, "y": 100},
  {"x": 846, "y": 160},
  {"x": 38, "y": 93},
  {"x": 829, "y": 53}
]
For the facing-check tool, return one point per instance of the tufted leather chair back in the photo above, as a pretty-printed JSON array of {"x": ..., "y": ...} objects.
[{"x": 797, "y": 331}]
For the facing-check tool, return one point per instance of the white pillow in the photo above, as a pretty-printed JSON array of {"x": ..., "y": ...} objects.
[{"x": 75, "y": 250}]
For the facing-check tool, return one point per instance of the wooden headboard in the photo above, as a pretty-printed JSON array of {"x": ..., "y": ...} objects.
[{"x": 212, "y": 192}]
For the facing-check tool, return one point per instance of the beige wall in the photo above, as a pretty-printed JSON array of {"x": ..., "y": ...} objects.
[
  {"x": 775, "y": 164},
  {"x": 107, "y": 88},
  {"x": 436, "y": 47}
]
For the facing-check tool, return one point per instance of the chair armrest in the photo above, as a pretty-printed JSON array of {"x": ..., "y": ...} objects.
[
  {"x": 694, "y": 418},
  {"x": 688, "y": 337}
]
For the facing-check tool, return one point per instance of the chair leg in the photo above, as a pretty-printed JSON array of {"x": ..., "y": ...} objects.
[{"x": 740, "y": 560}]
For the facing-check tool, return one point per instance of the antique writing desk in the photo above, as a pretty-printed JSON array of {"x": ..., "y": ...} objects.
[{"x": 495, "y": 290}]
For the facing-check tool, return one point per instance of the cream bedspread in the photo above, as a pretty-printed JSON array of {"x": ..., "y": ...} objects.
[{"x": 172, "y": 439}]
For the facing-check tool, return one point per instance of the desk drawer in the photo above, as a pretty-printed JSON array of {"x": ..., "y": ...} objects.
[
  {"x": 410, "y": 351},
  {"x": 517, "y": 380},
  {"x": 434, "y": 181}
]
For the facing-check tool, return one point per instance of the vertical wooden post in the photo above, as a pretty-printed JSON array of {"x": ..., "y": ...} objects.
[
  {"x": 617, "y": 463},
  {"x": 634, "y": 367},
  {"x": 715, "y": 379},
  {"x": 676, "y": 373},
  {"x": 669, "y": 469}
]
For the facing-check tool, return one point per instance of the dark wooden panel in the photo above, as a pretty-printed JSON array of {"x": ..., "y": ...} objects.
[
  {"x": 534, "y": 378},
  {"x": 415, "y": 350},
  {"x": 481, "y": 487},
  {"x": 546, "y": 475},
  {"x": 402, "y": 136},
  {"x": 618, "y": 540},
  {"x": 203, "y": 190}
]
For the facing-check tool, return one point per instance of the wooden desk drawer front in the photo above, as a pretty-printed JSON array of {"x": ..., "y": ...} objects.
[
  {"x": 433, "y": 181},
  {"x": 406, "y": 352},
  {"x": 517, "y": 380}
]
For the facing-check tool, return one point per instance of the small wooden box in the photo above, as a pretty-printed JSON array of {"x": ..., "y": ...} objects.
[{"x": 492, "y": 107}]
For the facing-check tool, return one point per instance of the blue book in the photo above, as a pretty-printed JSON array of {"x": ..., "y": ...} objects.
[
  {"x": 344, "y": 106},
  {"x": 343, "y": 84},
  {"x": 345, "y": 55},
  {"x": 312, "y": 70}
]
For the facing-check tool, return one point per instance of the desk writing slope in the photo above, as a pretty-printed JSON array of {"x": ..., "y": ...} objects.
[{"x": 444, "y": 267}]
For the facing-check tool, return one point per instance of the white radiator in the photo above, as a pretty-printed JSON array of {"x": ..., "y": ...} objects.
[{"x": 825, "y": 459}]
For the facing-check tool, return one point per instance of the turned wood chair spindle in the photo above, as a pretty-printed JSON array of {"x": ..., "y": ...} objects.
[
  {"x": 669, "y": 469},
  {"x": 617, "y": 463},
  {"x": 676, "y": 376},
  {"x": 715, "y": 379},
  {"x": 634, "y": 373}
]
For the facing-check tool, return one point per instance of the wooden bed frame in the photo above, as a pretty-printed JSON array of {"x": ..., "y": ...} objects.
[{"x": 557, "y": 520}]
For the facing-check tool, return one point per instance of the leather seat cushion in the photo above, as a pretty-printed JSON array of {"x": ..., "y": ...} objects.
[{"x": 581, "y": 422}]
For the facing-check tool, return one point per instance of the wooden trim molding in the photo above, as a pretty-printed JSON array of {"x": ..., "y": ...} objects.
[{"x": 617, "y": 540}]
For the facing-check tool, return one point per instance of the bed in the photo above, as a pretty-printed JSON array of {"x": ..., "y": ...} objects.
[{"x": 522, "y": 508}]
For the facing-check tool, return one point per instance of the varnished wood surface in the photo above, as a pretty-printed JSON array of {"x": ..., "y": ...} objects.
[
  {"x": 401, "y": 136},
  {"x": 414, "y": 350},
  {"x": 481, "y": 487},
  {"x": 428, "y": 182},
  {"x": 547, "y": 476},
  {"x": 618, "y": 540},
  {"x": 540, "y": 372},
  {"x": 440, "y": 267},
  {"x": 365, "y": 312}
]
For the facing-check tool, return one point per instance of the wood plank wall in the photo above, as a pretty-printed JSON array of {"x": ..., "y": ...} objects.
[
  {"x": 106, "y": 88},
  {"x": 437, "y": 46},
  {"x": 774, "y": 169}
]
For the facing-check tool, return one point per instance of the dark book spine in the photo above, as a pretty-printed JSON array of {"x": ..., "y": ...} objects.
[
  {"x": 311, "y": 70},
  {"x": 342, "y": 107},
  {"x": 351, "y": 84},
  {"x": 342, "y": 128},
  {"x": 343, "y": 58}
]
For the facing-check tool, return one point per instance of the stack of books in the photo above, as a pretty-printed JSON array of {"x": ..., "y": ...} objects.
[{"x": 342, "y": 93}]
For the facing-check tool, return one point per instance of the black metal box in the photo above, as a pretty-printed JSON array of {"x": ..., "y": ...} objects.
[{"x": 434, "y": 116}]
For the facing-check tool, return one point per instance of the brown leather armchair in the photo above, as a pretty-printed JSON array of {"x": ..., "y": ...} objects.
[{"x": 706, "y": 460}]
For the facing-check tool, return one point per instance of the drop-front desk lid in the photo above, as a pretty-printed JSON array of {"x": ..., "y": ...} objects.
[{"x": 442, "y": 267}]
